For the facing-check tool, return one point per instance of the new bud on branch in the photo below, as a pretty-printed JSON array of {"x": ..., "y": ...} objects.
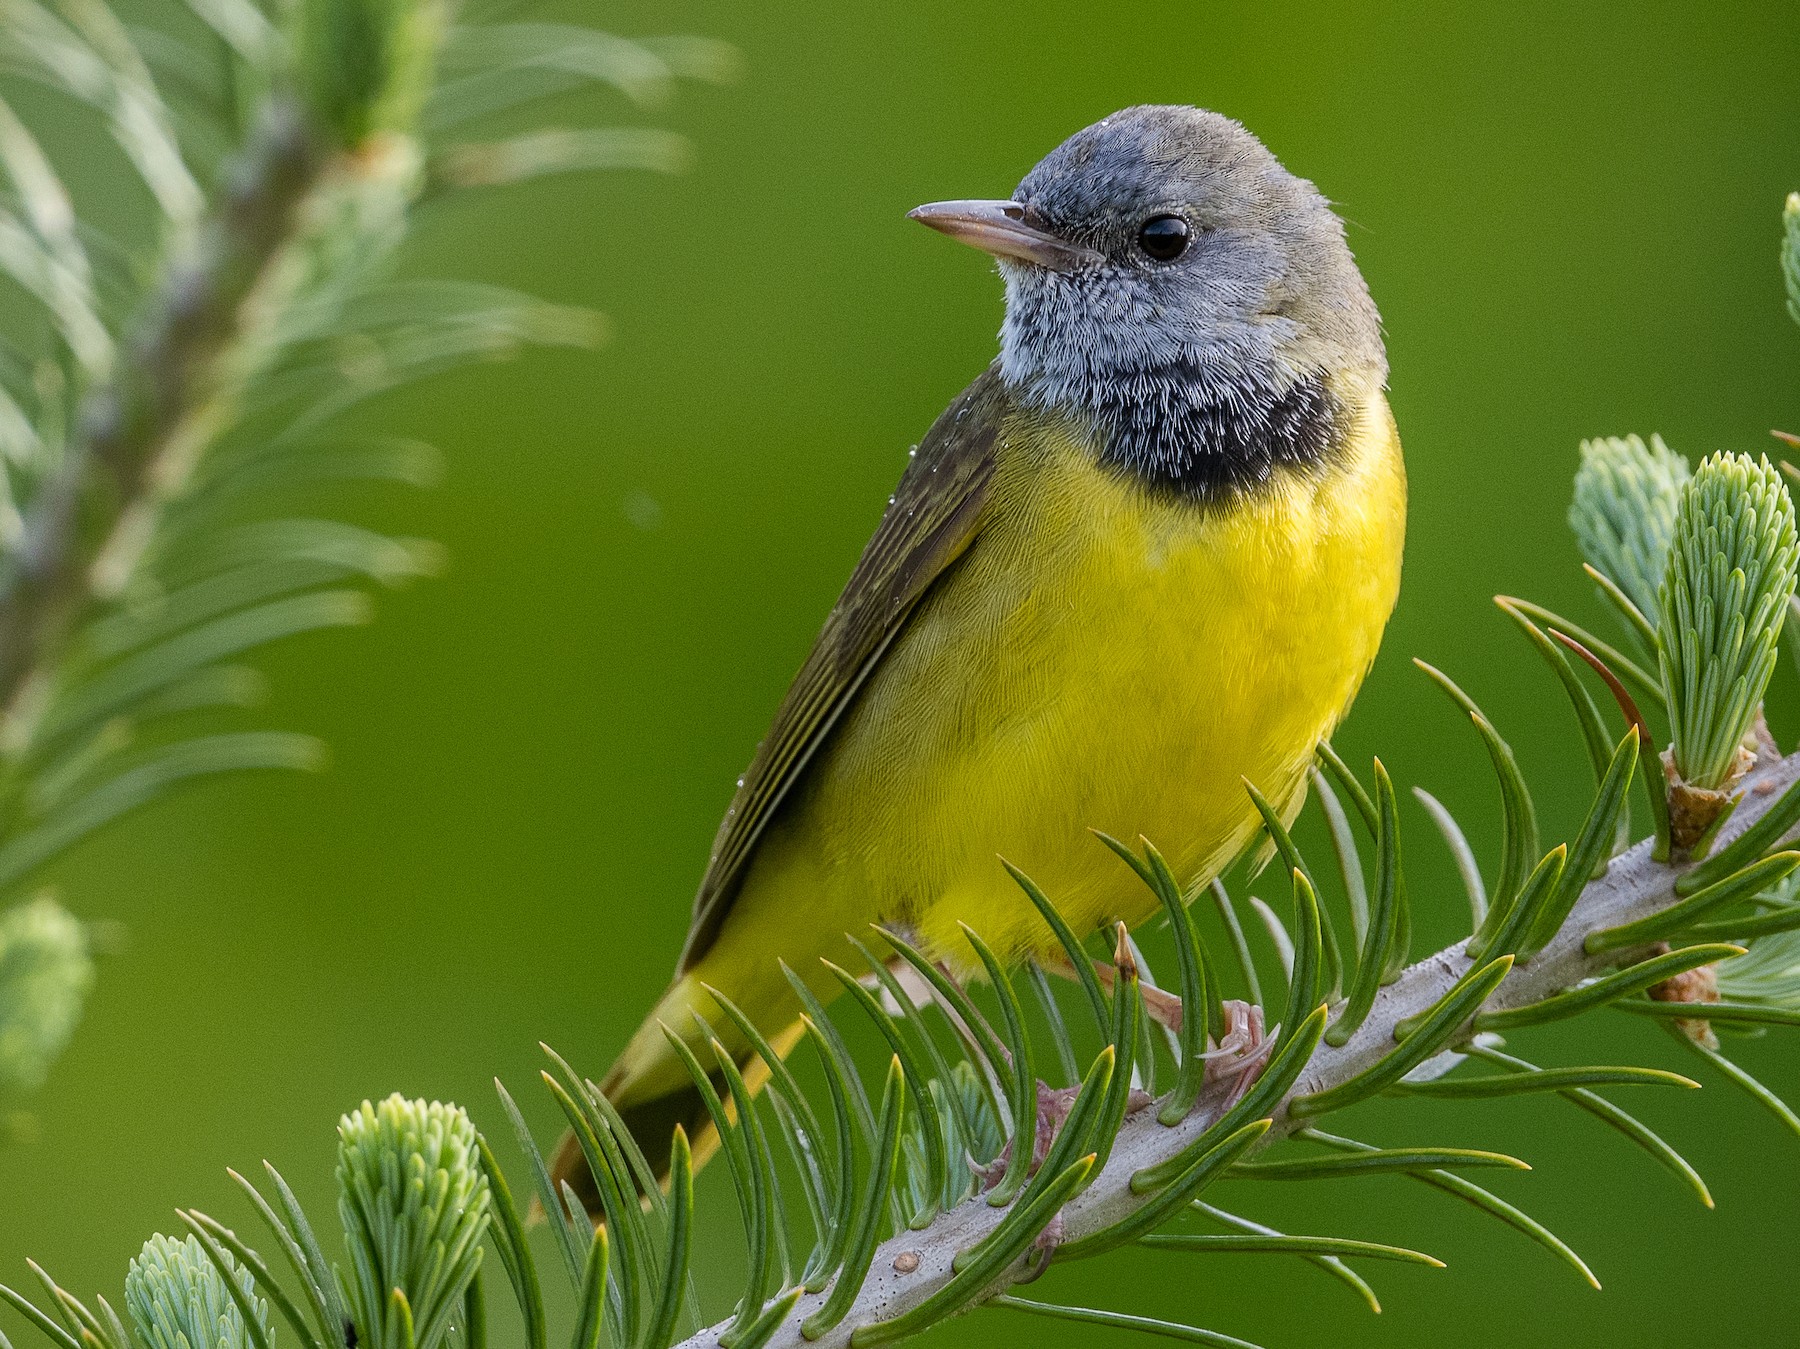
[
  {"x": 45, "y": 973},
  {"x": 178, "y": 1298},
  {"x": 1623, "y": 513},
  {"x": 415, "y": 1206},
  {"x": 1723, "y": 602}
]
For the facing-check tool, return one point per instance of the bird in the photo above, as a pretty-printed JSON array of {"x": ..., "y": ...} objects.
[{"x": 1145, "y": 558}]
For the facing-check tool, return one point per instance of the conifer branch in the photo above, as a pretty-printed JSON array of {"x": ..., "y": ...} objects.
[
  {"x": 1634, "y": 887},
  {"x": 154, "y": 393},
  {"x": 133, "y": 434}
]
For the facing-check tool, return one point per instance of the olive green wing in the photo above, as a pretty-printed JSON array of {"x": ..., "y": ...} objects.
[{"x": 934, "y": 515}]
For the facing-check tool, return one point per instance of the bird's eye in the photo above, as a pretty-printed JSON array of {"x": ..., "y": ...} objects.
[{"x": 1164, "y": 237}]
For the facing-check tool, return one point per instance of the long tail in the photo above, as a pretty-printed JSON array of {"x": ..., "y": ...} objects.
[{"x": 653, "y": 1093}]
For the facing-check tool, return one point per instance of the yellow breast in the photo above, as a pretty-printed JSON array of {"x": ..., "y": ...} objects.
[{"x": 1105, "y": 657}]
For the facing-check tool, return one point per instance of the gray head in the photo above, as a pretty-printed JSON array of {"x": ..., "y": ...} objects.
[{"x": 1172, "y": 285}]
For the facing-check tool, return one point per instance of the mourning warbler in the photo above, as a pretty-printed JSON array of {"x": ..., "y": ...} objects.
[{"x": 1146, "y": 556}]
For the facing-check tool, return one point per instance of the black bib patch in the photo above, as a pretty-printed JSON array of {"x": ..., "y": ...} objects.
[{"x": 1176, "y": 431}]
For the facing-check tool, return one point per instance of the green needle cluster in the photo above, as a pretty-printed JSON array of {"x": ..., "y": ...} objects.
[
  {"x": 45, "y": 974},
  {"x": 1623, "y": 513},
  {"x": 1769, "y": 974},
  {"x": 178, "y": 1298},
  {"x": 1724, "y": 598},
  {"x": 414, "y": 1201}
]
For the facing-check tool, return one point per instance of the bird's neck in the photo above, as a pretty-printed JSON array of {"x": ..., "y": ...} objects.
[
  {"x": 1205, "y": 421},
  {"x": 1179, "y": 429},
  {"x": 1207, "y": 428}
]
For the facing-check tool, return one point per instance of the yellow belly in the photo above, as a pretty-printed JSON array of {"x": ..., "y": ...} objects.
[{"x": 1103, "y": 658}]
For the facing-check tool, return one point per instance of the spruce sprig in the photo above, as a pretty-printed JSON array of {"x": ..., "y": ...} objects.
[
  {"x": 163, "y": 393},
  {"x": 46, "y": 970},
  {"x": 179, "y": 1299},
  {"x": 1627, "y": 495},
  {"x": 415, "y": 1203},
  {"x": 1731, "y": 574}
]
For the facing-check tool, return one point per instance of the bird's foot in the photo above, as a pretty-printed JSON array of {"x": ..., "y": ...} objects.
[
  {"x": 1240, "y": 1046},
  {"x": 1053, "y": 1105},
  {"x": 1053, "y": 1108},
  {"x": 1239, "y": 1051}
]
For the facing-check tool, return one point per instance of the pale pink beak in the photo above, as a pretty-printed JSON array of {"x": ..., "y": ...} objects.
[{"x": 999, "y": 228}]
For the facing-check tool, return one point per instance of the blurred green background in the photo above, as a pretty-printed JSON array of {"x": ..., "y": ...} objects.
[{"x": 1569, "y": 217}]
